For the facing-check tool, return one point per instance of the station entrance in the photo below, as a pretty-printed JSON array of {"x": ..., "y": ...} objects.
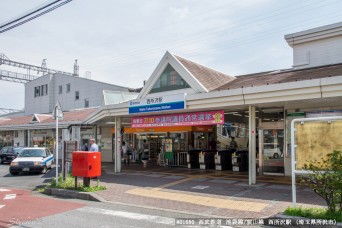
[{"x": 208, "y": 148}]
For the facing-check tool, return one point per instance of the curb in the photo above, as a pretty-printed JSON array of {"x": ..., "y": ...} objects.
[{"x": 90, "y": 196}]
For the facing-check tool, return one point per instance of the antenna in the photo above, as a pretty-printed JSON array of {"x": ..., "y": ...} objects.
[
  {"x": 87, "y": 75},
  {"x": 76, "y": 68},
  {"x": 43, "y": 67}
]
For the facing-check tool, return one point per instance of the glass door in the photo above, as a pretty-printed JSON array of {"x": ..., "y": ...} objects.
[{"x": 271, "y": 151}]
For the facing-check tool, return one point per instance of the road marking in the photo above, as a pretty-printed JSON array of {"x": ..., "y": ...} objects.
[
  {"x": 4, "y": 190},
  {"x": 200, "y": 187},
  {"x": 1, "y": 206},
  {"x": 199, "y": 200},
  {"x": 10, "y": 196},
  {"x": 130, "y": 215}
]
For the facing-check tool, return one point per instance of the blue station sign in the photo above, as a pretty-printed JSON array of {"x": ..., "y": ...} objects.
[{"x": 157, "y": 104}]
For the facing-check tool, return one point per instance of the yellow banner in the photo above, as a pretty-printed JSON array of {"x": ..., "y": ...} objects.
[{"x": 317, "y": 139}]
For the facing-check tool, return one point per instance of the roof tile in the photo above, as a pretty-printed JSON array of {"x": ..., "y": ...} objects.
[{"x": 209, "y": 78}]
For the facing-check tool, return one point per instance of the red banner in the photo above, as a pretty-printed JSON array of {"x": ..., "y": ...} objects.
[{"x": 185, "y": 119}]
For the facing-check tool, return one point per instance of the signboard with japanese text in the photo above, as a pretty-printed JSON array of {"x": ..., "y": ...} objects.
[
  {"x": 185, "y": 119},
  {"x": 157, "y": 104}
]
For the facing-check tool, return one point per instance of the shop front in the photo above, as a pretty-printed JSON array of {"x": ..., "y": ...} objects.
[
  {"x": 42, "y": 138},
  {"x": 170, "y": 137}
]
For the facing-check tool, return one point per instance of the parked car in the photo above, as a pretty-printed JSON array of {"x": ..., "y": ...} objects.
[
  {"x": 32, "y": 159},
  {"x": 9, "y": 153},
  {"x": 272, "y": 151}
]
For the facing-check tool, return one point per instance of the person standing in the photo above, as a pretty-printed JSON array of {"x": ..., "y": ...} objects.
[
  {"x": 233, "y": 144},
  {"x": 125, "y": 153},
  {"x": 84, "y": 147},
  {"x": 93, "y": 145}
]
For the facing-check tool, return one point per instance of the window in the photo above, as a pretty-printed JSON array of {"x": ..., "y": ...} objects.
[
  {"x": 16, "y": 134},
  {"x": 169, "y": 80},
  {"x": 68, "y": 88},
  {"x": 37, "y": 91},
  {"x": 86, "y": 103},
  {"x": 60, "y": 90},
  {"x": 40, "y": 90},
  {"x": 77, "y": 95}
]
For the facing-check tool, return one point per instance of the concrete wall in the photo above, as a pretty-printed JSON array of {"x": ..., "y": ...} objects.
[
  {"x": 39, "y": 104},
  {"x": 106, "y": 144},
  {"x": 317, "y": 53},
  {"x": 88, "y": 89},
  {"x": 20, "y": 139}
]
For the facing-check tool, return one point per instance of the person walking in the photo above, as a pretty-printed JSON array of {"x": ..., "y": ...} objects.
[
  {"x": 125, "y": 153},
  {"x": 93, "y": 145}
]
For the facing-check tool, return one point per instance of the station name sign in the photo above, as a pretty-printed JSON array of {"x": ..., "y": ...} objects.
[
  {"x": 157, "y": 104},
  {"x": 185, "y": 119}
]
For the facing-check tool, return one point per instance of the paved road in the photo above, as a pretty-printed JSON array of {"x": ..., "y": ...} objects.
[
  {"x": 21, "y": 208},
  {"x": 23, "y": 181}
]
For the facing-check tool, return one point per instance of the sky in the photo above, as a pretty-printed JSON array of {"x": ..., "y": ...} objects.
[{"x": 122, "y": 42}]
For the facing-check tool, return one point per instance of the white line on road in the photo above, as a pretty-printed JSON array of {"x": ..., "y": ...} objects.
[
  {"x": 130, "y": 215},
  {"x": 10, "y": 196},
  {"x": 1, "y": 206},
  {"x": 4, "y": 190}
]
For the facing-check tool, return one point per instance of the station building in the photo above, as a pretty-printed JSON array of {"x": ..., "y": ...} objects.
[{"x": 185, "y": 106}]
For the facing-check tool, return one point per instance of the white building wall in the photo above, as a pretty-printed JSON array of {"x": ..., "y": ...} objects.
[
  {"x": 317, "y": 53},
  {"x": 37, "y": 104},
  {"x": 20, "y": 140},
  {"x": 88, "y": 89}
]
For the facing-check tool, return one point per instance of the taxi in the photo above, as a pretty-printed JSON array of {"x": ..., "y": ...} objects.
[{"x": 32, "y": 160}]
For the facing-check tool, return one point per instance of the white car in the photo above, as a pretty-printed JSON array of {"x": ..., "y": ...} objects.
[
  {"x": 272, "y": 151},
  {"x": 32, "y": 160}
]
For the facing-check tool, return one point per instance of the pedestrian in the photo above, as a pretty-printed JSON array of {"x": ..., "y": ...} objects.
[
  {"x": 233, "y": 144},
  {"x": 133, "y": 156},
  {"x": 146, "y": 151},
  {"x": 93, "y": 145},
  {"x": 125, "y": 152},
  {"x": 84, "y": 147}
]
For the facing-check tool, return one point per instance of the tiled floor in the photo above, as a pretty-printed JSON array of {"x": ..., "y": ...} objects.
[{"x": 209, "y": 193}]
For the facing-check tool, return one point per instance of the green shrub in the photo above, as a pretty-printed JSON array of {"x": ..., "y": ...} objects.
[
  {"x": 326, "y": 180},
  {"x": 69, "y": 183},
  {"x": 316, "y": 213}
]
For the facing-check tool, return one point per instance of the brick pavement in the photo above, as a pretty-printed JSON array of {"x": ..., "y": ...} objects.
[{"x": 202, "y": 192}]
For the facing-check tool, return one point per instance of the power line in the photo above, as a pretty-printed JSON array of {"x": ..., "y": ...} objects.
[
  {"x": 29, "y": 14},
  {"x": 33, "y": 17},
  {"x": 197, "y": 38}
]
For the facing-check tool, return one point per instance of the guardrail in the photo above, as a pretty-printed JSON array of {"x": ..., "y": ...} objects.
[{"x": 180, "y": 160}]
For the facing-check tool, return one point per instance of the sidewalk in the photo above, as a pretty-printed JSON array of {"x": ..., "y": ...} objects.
[{"x": 202, "y": 192}]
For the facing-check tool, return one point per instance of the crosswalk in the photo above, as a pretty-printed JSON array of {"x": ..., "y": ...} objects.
[{"x": 130, "y": 215}]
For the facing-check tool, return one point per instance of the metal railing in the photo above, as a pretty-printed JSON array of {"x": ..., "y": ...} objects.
[{"x": 180, "y": 160}]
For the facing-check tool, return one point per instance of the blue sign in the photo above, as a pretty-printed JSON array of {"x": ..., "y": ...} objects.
[
  {"x": 157, "y": 107},
  {"x": 157, "y": 104}
]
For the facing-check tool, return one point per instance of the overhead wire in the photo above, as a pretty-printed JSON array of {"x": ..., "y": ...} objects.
[
  {"x": 29, "y": 14},
  {"x": 180, "y": 44},
  {"x": 174, "y": 44},
  {"x": 35, "y": 16},
  {"x": 238, "y": 42}
]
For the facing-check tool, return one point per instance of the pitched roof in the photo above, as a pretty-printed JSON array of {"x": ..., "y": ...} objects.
[
  {"x": 282, "y": 76},
  {"x": 77, "y": 116},
  {"x": 209, "y": 78}
]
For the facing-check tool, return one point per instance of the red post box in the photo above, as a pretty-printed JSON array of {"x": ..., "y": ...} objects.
[{"x": 86, "y": 164}]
